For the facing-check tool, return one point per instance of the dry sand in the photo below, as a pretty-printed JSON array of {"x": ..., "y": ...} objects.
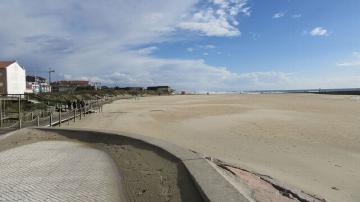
[{"x": 311, "y": 142}]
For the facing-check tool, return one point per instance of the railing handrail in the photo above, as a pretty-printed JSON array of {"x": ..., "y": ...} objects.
[{"x": 58, "y": 117}]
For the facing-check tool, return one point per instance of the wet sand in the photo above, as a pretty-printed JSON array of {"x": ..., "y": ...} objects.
[{"x": 311, "y": 142}]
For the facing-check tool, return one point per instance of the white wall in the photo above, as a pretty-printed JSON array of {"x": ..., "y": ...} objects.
[{"x": 16, "y": 79}]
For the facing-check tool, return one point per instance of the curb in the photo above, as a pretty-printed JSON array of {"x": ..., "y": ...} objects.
[{"x": 210, "y": 183}]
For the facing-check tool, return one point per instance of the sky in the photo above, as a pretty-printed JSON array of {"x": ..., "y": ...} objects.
[{"x": 193, "y": 45}]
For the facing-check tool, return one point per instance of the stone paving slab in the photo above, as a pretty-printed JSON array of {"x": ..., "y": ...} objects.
[{"x": 58, "y": 171}]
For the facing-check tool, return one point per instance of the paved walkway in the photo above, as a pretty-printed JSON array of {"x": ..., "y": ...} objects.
[{"x": 58, "y": 171}]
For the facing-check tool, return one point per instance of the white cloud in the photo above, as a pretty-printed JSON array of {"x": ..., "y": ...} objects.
[
  {"x": 206, "y": 23},
  {"x": 284, "y": 14},
  {"x": 255, "y": 36},
  {"x": 349, "y": 64},
  {"x": 209, "y": 46},
  {"x": 279, "y": 15},
  {"x": 217, "y": 18},
  {"x": 319, "y": 31},
  {"x": 296, "y": 16},
  {"x": 353, "y": 62},
  {"x": 234, "y": 7},
  {"x": 343, "y": 81},
  {"x": 147, "y": 50}
]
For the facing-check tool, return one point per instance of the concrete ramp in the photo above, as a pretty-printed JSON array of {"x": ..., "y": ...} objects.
[{"x": 58, "y": 171}]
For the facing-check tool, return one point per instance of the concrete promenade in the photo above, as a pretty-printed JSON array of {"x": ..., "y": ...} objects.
[{"x": 58, "y": 171}]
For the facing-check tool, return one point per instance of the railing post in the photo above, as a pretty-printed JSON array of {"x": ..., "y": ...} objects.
[
  {"x": 75, "y": 115},
  {"x": 80, "y": 113},
  {"x": 19, "y": 110},
  {"x": 59, "y": 117},
  {"x": 32, "y": 115},
  {"x": 38, "y": 121},
  {"x": 1, "y": 114},
  {"x": 50, "y": 119}
]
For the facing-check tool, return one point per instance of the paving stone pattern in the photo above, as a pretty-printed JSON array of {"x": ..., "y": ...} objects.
[{"x": 58, "y": 171}]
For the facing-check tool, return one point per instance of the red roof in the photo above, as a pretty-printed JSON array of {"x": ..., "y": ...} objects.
[{"x": 4, "y": 64}]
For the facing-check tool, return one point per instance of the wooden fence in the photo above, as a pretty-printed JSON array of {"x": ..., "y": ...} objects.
[{"x": 62, "y": 116}]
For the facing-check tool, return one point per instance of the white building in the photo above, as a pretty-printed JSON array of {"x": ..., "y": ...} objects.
[
  {"x": 37, "y": 84},
  {"x": 12, "y": 78}
]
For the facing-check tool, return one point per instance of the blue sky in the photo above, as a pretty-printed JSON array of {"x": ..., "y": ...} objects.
[{"x": 209, "y": 45}]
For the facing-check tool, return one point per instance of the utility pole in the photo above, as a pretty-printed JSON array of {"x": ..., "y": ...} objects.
[{"x": 50, "y": 71}]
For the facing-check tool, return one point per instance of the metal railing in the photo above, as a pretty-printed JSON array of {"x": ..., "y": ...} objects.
[{"x": 57, "y": 118}]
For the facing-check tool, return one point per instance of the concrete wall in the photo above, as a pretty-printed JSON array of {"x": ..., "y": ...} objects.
[{"x": 16, "y": 80}]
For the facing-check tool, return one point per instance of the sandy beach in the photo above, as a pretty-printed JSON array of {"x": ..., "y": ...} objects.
[{"x": 311, "y": 142}]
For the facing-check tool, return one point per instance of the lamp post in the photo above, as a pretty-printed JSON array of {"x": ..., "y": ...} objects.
[{"x": 50, "y": 71}]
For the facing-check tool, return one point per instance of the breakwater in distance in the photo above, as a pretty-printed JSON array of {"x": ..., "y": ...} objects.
[{"x": 338, "y": 91}]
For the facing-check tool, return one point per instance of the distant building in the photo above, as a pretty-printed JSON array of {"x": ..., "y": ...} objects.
[
  {"x": 12, "y": 78},
  {"x": 71, "y": 85},
  {"x": 162, "y": 89},
  {"x": 97, "y": 85},
  {"x": 132, "y": 88},
  {"x": 37, "y": 84}
]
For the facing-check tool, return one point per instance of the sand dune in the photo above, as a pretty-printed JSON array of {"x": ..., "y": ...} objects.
[{"x": 308, "y": 141}]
